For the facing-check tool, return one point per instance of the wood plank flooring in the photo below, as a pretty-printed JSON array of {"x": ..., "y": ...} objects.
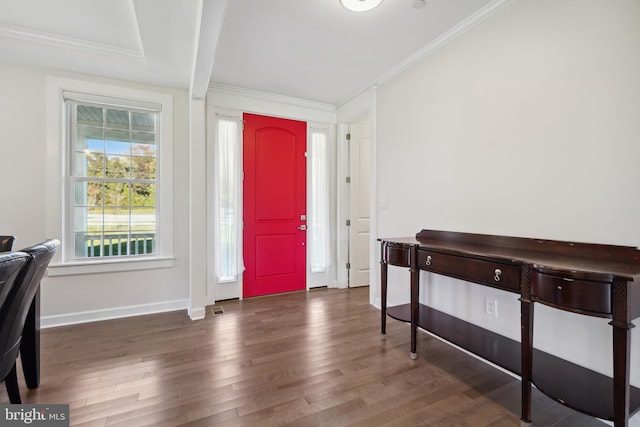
[{"x": 302, "y": 359}]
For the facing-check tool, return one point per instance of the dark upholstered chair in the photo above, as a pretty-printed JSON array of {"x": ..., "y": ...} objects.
[
  {"x": 12, "y": 265},
  {"x": 13, "y": 312},
  {"x": 6, "y": 243}
]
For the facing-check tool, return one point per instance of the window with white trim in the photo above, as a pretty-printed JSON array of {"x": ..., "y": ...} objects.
[{"x": 112, "y": 208}]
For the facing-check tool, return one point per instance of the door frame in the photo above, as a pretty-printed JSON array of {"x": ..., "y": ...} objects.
[
  {"x": 344, "y": 194},
  {"x": 328, "y": 277},
  {"x": 355, "y": 158},
  {"x": 285, "y": 229},
  {"x": 363, "y": 105},
  {"x": 233, "y": 101}
]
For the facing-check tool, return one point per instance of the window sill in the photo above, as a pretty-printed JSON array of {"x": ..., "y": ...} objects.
[{"x": 109, "y": 266}]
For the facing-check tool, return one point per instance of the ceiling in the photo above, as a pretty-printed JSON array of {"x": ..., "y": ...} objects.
[
  {"x": 317, "y": 50},
  {"x": 148, "y": 41},
  {"x": 310, "y": 49}
]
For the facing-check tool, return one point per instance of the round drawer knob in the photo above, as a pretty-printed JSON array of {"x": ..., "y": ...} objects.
[
  {"x": 428, "y": 262},
  {"x": 559, "y": 287},
  {"x": 496, "y": 274}
]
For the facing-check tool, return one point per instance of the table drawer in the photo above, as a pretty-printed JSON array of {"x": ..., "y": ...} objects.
[
  {"x": 398, "y": 255},
  {"x": 495, "y": 274},
  {"x": 573, "y": 295}
]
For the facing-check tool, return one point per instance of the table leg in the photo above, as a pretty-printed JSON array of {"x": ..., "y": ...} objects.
[
  {"x": 621, "y": 350},
  {"x": 415, "y": 284},
  {"x": 526, "y": 344},
  {"x": 621, "y": 346},
  {"x": 526, "y": 355},
  {"x": 383, "y": 292},
  {"x": 30, "y": 344}
]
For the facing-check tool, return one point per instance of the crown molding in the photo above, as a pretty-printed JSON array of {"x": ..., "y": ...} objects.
[
  {"x": 490, "y": 10},
  {"x": 267, "y": 96},
  {"x": 55, "y": 40}
]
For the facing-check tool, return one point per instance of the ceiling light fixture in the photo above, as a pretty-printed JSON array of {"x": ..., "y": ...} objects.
[
  {"x": 418, "y": 4},
  {"x": 360, "y": 5}
]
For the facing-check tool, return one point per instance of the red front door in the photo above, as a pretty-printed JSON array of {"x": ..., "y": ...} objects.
[{"x": 274, "y": 189}]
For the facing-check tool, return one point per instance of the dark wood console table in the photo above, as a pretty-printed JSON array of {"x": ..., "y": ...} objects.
[{"x": 588, "y": 279}]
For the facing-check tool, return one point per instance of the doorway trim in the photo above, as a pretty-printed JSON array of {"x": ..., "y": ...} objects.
[
  {"x": 229, "y": 100},
  {"x": 362, "y": 105}
]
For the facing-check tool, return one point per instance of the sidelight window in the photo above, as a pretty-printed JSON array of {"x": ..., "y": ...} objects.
[
  {"x": 228, "y": 198},
  {"x": 318, "y": 202}
]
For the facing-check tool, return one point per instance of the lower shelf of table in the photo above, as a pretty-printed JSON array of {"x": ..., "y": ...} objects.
[{"x": 572, "y": 385}]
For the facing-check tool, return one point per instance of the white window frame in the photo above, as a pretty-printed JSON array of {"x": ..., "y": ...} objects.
[
  {"x": 318, "y": 211},
  {"x": 228, "y": 155},
  {"x": 58, "y": 179}
]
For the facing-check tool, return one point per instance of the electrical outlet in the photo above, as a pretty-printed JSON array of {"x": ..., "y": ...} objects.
[{"x": 491, "y": 307}]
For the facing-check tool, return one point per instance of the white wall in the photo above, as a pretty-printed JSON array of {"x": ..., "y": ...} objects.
[
  {"x": 525, "y": 126},
  {"x": 23, "y": 150}
]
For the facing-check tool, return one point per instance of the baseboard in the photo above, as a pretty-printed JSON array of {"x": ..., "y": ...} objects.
[
  {"x": 196, "y": 313},
  {"x": 112, "y": 313},
  {"x": 227, "y": 290}
]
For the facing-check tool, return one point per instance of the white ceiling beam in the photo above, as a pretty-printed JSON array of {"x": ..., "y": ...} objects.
[{"x": 207, "y": 36}]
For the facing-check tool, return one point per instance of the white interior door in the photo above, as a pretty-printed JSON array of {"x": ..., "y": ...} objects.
[{"x": 359, "y": 152}]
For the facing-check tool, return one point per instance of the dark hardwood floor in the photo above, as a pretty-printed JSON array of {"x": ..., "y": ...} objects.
[{"x": 302, "y": 359}]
